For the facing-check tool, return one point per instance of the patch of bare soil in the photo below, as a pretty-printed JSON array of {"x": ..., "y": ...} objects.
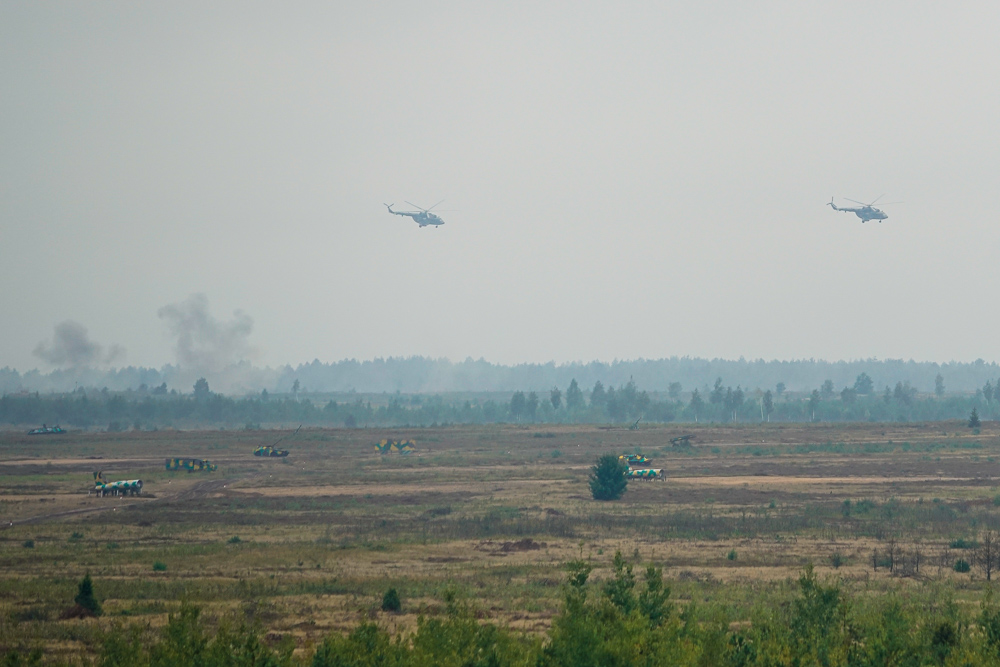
[{"x": 527, "y": 544}]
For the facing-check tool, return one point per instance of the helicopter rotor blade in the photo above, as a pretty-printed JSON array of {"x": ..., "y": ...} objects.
[
  {"x": 436, "y": 205},
  {"x": 847, "y": 198},
  {"x": 415, "y": 206},
  {"x": 875, "y": 200}
]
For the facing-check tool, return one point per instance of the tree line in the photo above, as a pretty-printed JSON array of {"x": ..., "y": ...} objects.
[
  {"x": 426, "y": 375},
  {"x": 627, "y": 403}
]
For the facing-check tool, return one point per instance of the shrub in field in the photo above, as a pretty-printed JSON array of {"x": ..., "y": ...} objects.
[
  {"x": 28, "y": 544},
  {"x": 85, "y": 596},
  {"x": 391, "y": 602},
  {"x": 962, "y": 565},
  {"x": 837, "y": 559},
  {"x": 974, "y": 419},
  {"x": 235, "y": 539},
  {"x": 731, "y": 555},
  {"x": 159, "y": 566},
  {"x": 607, "y": 478}
]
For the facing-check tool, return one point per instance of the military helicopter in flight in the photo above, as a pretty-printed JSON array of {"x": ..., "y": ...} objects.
[
  {"x": 866, "y": 211},
  {"x": 423, "y": 217}
]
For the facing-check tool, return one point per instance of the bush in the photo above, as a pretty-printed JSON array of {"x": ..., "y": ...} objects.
[
  {"x": 731, "y": 555},
  {"x": 235, "y": 539},
  {"x": 836, "y": 560},
  {"x": 962, "y": 565},
  {"x": 607, "y": 478},
  {"x": 391, "y": 602},
  {"x": 159, "y": 566},
  {"x": 28, "y": 544},
  {"x": 85, "y": 596}
]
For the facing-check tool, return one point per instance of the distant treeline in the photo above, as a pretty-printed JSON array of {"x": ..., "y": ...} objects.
[
  {"x": 159, "y": 408},
  {"x": 425, "y": 375}
]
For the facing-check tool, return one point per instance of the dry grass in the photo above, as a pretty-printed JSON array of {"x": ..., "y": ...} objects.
[{"x": 324, "y": 532}]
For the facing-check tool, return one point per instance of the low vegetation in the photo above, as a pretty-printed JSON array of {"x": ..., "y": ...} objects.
[{"x": 766, "y": 544}]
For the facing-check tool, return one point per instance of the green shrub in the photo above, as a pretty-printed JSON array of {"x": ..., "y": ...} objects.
[
  {"x": 85, "y": 596},
  {"x": 76, "y": 536},
  {"x": 963, "y": 544},
  {"x": 28, "y": 544},
  {"x": 235, "y": 539},
  {"x": 962, "y": 565},
  {"x": 159, "y": 566},
  {"x": 837, "y": 559},
  {"x": 607, "y": 478},
  {"x": 731, "y": 555},
  {"x": 391, "y": 602}
]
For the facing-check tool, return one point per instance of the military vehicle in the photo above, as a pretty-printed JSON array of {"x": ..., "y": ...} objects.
[
  {"x": 633, "y": 459},
  {"x": 423, "y": 217},
  {"x": 191, "y": 465},
  {"x": 396, "y": 447},
  {"x": 645, "y": 474},
  {"x": 46, "y": 430},
  {"x": 127, "y": 487},
  {"x": 270, "y": 451},
  {"x": 681, "y": 441}
]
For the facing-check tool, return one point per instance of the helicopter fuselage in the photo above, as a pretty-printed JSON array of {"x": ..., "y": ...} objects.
[
  {"x": 866, "y": 213},
  {"x": 422, "y": 218}
]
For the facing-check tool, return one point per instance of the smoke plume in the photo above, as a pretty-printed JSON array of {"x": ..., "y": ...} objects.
[
  {"x": 203, "y": 342},
  {"x": 71, "y": 347}
]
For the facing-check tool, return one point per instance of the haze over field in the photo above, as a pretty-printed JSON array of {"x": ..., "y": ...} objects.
[{"x": 203, "y": 184}]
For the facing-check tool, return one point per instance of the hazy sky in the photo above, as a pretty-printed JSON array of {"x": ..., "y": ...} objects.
[{"x": 624, "y": 179}]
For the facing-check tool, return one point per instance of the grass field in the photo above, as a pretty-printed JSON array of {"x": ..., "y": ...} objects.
[{"x": 308, "y": 544}]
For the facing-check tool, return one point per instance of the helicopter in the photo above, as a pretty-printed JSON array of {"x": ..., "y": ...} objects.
[
  {"x": 423, "y": 217},
  {"x": 866, "y": 211}
]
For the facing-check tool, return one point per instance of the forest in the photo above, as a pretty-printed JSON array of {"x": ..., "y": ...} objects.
[
  {"x": 146, "y": 408},
  {"x": 410, "y": 375}
]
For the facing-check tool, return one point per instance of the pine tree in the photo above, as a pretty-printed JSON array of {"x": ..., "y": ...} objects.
[
  {"x": 607, "y": 478},
  {"x": 974, "y": 419},
  {"x": 390, "y": 601},
  {"x": 85, "y": 596}
]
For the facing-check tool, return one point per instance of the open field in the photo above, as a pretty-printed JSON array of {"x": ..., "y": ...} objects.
[{"x": 308, "y": 544}]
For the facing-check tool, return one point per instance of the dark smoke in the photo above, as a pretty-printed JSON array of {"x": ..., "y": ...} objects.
[
  {"x": 71, "y": 346},
  {"x": 204, "y": 343}
]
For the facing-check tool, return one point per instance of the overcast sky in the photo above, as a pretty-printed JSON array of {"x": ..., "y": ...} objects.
[{"x": 622, "y": 180}]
